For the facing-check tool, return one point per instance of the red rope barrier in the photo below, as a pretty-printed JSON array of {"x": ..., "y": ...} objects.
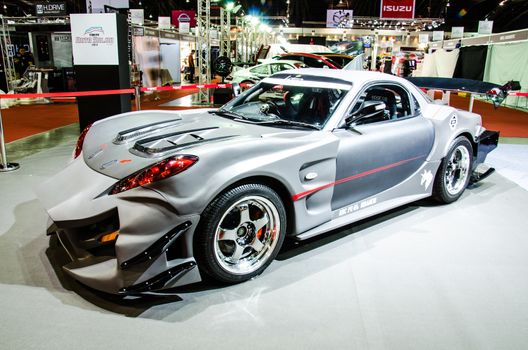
[
  {"x": 185, "y": 87},
  {"x": 116, "y": 92},
  {"x": 70, "y": 94},
  {"x": 144, "y": 89}
]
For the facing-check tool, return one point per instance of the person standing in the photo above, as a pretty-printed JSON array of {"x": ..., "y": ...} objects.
[
  {"x": 22, "y": 60},
  {"x": 190, "y": 62}
]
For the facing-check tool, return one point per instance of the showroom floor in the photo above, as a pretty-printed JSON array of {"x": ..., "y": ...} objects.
[{"x": 423, "y": 276}]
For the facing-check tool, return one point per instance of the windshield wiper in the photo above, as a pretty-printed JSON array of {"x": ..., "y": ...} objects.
[
  {"x": 290, "y": 122},
  {"x": 229, "y": 114}
]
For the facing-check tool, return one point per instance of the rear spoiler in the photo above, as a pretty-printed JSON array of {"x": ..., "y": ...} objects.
[{"x": 493, "y": 92}]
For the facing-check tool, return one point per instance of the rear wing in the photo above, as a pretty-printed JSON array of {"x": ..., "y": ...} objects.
[{"x": 493, "y": 92}]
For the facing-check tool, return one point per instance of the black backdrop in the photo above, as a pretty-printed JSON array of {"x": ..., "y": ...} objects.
[{"x": 471, "y": 62}]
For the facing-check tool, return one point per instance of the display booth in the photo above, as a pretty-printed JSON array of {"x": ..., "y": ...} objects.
[{"x": 162, "y": 56}]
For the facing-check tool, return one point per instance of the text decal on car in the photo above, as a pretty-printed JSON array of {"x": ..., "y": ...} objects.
[{"x": 356, "y": 206}]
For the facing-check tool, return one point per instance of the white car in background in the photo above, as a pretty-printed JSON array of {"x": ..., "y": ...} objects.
[{"x": 256, "y": 73}]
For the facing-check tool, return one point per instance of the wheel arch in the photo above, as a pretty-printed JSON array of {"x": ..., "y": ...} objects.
[
  {"x": 273, "y": 183},
  {"x": 467, "y": 135}
]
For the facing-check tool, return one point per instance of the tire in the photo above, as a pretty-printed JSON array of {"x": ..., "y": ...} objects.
[
  {"x": 240, "y": 233},
  {"x": 453, "y": 175}
]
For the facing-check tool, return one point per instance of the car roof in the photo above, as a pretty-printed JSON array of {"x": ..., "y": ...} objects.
[
  {"x": 284, "y": 61},
  {"x": 314, "y": 55},
  {"x": 355, "y": 77},
  {"x": 333, "y": 54},
  {"x": 325, "y": 59}
]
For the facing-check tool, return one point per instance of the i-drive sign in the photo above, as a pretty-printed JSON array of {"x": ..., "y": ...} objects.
[{"x": 397, "y": 8}]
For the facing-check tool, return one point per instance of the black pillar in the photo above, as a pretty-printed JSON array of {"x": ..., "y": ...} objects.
[{"x": 105, "y": 77}]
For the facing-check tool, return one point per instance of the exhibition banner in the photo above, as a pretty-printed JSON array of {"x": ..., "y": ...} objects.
[
  {"x": 184, "y": 16},
  {"x": 137, "y": 16},
  {"x": 397, "y": 9},
  {"x": 423, "y": 38},
  {"x": 164, "y": 22},
  {"x": 438, "y": 35},
  {"x": 61, "y": 43},
  {"x": 184, "y": 27},
  {"x": 485, "y": 27},
  {"x": 94, "y": 39},
  {"x": 53, "y": 8},
  {"x": 339, "y": 18},
  {"x": 97, "y": 6},
  {"x": 457, "y": 32}
]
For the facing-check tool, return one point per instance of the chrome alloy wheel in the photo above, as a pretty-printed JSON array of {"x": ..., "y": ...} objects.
[
  {"x": 246, "y": 235},
  {"x": 457, "y": 170}
]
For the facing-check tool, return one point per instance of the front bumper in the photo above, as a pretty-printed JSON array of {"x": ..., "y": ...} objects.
[{"x": 128, "y": 243}]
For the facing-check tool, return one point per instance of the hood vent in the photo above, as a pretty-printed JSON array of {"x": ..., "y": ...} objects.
[
  {"x": 140, "y": 131},
  {"x": 157, "y": 145}
]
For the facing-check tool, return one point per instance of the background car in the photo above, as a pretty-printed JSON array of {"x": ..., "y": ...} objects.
[
  {"x": 338, "y": 58},
  {"x": 311, "y": 60},
  {"x": 254, "y": 74},
  {"x": 273, "y": 50}
]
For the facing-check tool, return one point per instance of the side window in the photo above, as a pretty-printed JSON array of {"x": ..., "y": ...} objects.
[
  {"x": 264, "y": 69},
  {"x": 277, "y": 67},
  {"x": 395, "y": 97}
]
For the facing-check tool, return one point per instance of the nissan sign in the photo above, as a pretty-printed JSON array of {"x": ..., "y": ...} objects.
[
  {"x": 183, "y": 17},
  {"x": 56, "y": 8},
  {"x": 397, "y": 9}
]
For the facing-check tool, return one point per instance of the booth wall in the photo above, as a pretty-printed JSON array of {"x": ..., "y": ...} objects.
[
  {"x": 507, "y": 62},
  {"x": 170, "y": 59}
]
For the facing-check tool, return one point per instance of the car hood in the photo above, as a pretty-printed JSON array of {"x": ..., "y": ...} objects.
[{"x": 123, "y": 144}]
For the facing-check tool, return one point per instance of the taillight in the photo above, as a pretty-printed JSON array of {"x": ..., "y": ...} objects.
[
  {"x": 159, "y": 171},
  {"x": 80, "y": 141}
]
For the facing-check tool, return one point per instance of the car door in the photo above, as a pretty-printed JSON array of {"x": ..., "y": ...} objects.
[{"x": 375, "y": 156}]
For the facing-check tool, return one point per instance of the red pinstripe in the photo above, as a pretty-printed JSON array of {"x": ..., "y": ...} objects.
[{"x": 298, "y": 196}]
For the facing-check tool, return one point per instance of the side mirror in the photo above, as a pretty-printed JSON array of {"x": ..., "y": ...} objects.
[{"x": 370, "y": 111}]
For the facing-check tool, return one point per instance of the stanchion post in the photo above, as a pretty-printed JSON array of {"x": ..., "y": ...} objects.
[
  {"x": 471, "y": 101},
  {"x": 4, "y": 165},
  {"x": 138, "y": 97}
]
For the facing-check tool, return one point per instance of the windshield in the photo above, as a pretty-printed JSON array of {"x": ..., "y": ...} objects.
[{"x": 269, "y": 102}]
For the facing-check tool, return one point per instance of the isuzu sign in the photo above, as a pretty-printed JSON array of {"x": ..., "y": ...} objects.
[{"x": 397, "y": 8}]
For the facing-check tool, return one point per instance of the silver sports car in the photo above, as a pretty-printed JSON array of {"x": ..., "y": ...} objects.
[{"x": 158, "y": 199}]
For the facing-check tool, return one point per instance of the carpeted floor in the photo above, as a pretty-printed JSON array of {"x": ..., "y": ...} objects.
[
  {"x": 509, "y": 121},
  {"x": 26, "y": 120}
]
